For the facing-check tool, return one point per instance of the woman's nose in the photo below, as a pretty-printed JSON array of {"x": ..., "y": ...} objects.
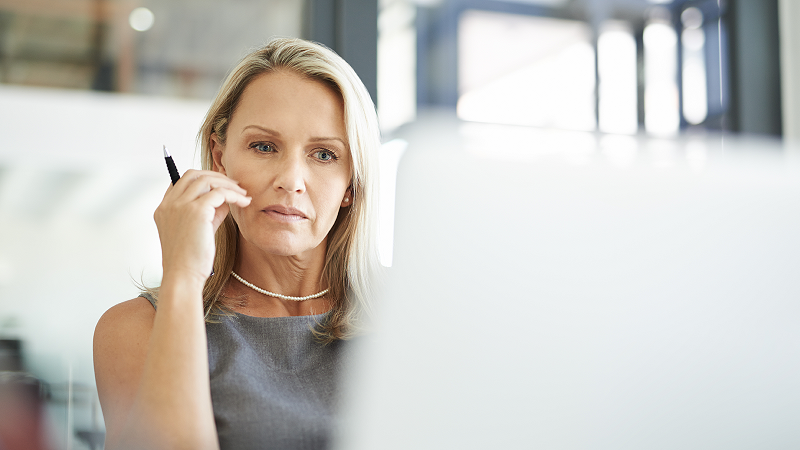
[{"x": 291, "y": 174}]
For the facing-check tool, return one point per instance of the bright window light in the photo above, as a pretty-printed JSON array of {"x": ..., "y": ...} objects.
[
  {"x": 525, "y": 70},
  {"x": 616, "y": 53},
  {"x": 695, "y": 95},
  {"x": 397, "y": 68},
  {"x": 661, "y": 112}
]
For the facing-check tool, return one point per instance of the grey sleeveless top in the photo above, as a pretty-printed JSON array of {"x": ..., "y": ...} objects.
[{"x": 272, "y": 385}]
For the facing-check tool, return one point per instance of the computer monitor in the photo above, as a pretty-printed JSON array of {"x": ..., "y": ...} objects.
[{"x": 566, "y": 290}]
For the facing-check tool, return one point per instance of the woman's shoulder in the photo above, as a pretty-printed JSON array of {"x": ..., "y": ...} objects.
[
  {"x": 120, "y": 348},
  {"x": 122, "y": 335},
  {"x": 139, "y": 306},
  {"x": 129, "y": 317}
]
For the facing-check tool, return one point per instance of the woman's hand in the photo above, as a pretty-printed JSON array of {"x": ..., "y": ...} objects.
[
  {"x": 151, "y": 366},
  {"x": 188, "y": 217}
]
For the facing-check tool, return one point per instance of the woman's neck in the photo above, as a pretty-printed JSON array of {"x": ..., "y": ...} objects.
[{"x": 295, "y": 276}]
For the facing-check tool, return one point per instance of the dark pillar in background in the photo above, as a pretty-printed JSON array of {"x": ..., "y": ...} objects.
[
  {"x": 437, "y": 55},
  {"x": 755, "y": 66},
  {"x": 350, "y": 28}
]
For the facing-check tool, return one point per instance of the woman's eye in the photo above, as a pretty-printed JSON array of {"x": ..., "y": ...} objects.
[
  {"x": 325, "y": 155},
  {"x": 263, "y": 147}
]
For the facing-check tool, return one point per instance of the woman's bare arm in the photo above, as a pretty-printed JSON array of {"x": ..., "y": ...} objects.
[
  {"x": 152, "y": 377},
  {"x": 152, "y": 366},
  {"x": 120, "y": 348}
]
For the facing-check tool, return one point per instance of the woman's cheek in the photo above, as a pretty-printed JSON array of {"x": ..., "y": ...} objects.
[{"x": 236, "y": 213}]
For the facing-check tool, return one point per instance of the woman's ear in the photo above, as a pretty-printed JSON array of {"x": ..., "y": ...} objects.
[
  {"x": 216, "y": 154},
  {"x": 347, "y": 200}
]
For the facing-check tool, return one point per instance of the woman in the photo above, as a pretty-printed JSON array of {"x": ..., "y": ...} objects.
[{"x": 284, "y": 214}]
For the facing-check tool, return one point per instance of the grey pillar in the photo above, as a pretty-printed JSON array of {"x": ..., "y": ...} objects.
[
  {"x": 755, "y": 67},
  {"x": 790, "y": 68},
  {"x": 350, "y": 28}
]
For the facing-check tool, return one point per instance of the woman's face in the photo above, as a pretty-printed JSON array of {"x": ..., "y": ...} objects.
[{"x": 287, "y": 146}]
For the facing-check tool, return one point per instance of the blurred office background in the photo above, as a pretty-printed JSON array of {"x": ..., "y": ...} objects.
[{"x": 91, "y": 89}]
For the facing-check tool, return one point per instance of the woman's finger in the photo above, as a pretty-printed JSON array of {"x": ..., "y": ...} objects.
[
  {"x": 202, "y": 184},
  {"x": 219, "y": 196},
  {"x": 199, "y": 178}
]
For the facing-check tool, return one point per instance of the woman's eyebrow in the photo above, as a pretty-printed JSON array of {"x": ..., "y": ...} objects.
[
  {"x": 320, "y": 139},
  {"x": 313, "y": 139},
  {"x": 264, "y": 129}
]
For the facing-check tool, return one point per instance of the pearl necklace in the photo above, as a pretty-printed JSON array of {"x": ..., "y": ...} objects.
[{"x": 280, "y": 296}]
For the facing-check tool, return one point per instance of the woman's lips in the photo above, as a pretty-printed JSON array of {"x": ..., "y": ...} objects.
[{"x": 283, "y": 213}]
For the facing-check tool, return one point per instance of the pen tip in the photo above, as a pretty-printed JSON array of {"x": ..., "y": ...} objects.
[{"x": 166, "y": 153}]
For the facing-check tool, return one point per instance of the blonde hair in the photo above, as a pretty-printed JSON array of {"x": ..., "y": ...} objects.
[{"x": 351, "y": 262}]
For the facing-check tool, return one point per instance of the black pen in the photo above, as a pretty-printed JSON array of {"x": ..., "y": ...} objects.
[{"x": 173, "y": 171}]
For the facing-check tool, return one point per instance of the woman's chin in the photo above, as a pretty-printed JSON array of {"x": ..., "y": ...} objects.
[{"x": 281, "y": 244}]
